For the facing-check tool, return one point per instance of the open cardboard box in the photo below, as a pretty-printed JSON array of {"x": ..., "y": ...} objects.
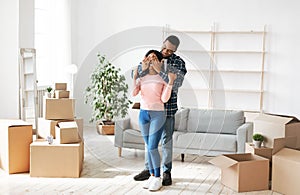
[
  {"x": 262, "y": 151},
  {"x": 266, "y": 152},
  {"x": 243, "y": 172},
  {"x": 47, "y": 127},
  {"x": 275, "y": 126},
  {"x": 67, "y": 132}
]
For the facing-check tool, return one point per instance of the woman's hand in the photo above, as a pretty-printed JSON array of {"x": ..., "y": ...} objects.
[{"x": 172, "y": 77}]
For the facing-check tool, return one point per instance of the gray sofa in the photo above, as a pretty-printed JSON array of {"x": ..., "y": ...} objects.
[{"x": 197, "y": 131}]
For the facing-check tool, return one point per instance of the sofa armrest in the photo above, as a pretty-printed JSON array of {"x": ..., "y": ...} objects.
[
  {"x": 244, "y": 134},
  {"x": 120, "y": 126}
]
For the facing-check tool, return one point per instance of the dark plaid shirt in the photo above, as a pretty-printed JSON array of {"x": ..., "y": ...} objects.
[{"x": 175, "y": 65}]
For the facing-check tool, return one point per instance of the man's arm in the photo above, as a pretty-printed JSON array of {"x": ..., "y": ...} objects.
[
  {"x": 142, "y": 72},
  {"x": 176, "y": 66}
]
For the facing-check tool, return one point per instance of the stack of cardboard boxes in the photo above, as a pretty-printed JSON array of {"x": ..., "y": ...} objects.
[
  {"x": 64, "y": 157},
  {"x": 282, "y": 140},
  {"x": 277, "y": 161}
]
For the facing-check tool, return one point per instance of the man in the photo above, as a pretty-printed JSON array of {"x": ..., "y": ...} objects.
[{"x": 172, "y": 63}]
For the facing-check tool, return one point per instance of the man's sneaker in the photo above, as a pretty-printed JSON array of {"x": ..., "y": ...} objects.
[
  {"x": 155, "y": 184},
  {"x": 167, "y": 180},
  {"x": 144, "y": 175},
  {"x": 148, "y": 182}
]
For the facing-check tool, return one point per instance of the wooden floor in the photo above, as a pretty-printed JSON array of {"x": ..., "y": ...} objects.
[{"x": 106, "y": 173}]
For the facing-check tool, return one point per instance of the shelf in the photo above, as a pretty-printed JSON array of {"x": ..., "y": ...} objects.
[
  {"x": 194, "y": 89},
  {"x": 237, "y": 90},
  {"x": 224, "y": 90},
  {"x": 240, "y": 55},
  {"x": 217, "y": 32},
  {"x": 232, "y": 108},
  {"x": 29, "y": 90},
  {"x": 227, "y": 71},
  {"x": 254, "y": 52},
  {"x": 216, "y": 52},
  {"x": 239, "y": 71}
]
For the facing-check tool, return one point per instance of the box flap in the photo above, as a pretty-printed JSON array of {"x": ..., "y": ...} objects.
[
  {"x": 222, "y": 161},
  {"x": 279, "y": 143},
  {"x": 71, "y": 124},
  {"x": 273, "y": 119}
]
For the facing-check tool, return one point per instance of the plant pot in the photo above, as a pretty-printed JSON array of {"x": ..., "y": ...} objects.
[
  {"x": 48, "y": 95},
  {"x": 257, "y": 144},
  {"x": 105, "y": 129}
]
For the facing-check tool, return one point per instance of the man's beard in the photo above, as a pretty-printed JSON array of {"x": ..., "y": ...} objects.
[{"x": 165, "y": 57}]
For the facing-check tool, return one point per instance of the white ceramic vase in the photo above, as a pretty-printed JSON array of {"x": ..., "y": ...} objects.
[{"x": 257, "y": 144}]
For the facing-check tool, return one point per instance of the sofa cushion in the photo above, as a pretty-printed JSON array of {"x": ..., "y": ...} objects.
[
  {"x": 181, "y": 118},
  {"x": 133, "y": 136},
  {"x": 134, "y": 118},
  {"x": 205, "y": 141},
  {"x": 214, "y": 121}
]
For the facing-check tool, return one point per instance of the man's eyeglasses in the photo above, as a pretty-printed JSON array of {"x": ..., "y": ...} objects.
[{"x": 169, "y": 51}]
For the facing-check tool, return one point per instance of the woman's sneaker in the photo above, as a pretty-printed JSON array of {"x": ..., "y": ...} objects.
[
  {"x": 155, "y": 184},
  {"x": 148, "y": 182}
]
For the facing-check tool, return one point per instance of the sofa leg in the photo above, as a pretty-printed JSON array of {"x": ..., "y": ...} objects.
[
  {"x": 182, "y": 157},
  {"x": 120, "y": 152}
]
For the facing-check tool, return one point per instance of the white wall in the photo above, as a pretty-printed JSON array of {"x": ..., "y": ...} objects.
[
  {"x": 94, "y": 21},
  {"x": 16, "y": 19},
  {"x": 26, "y": 24},
  {"x": 9, "y": 20}
]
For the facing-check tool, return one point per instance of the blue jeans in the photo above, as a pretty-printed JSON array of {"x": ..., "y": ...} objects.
[
  {"x": 152, "y": 126},
  {"x": 167, "y": 145}
]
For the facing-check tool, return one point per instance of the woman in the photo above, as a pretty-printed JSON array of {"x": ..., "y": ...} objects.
[{"x": 154, "y": 93}]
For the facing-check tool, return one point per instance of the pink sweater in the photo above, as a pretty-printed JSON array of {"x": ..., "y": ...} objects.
[{"x": 154, "y": 92}]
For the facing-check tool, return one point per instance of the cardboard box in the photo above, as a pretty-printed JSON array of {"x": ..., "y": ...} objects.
[
  {"x": 243, "y": 172},
  {"x": 272, "y": 126},
  {"x": 61, "y": 94},
  {"x": 263, "y": 151},
  {"x": 59, "y": 108},
  {"x": 60, "y": 86},
  {"x": 79, "y": 122},
  {"x": 286, "y": 171},
  {"x": 56, "y": 160},
  {"x": 47, "y": 127},
  {"x": 67, "y": 132},
  {"x": 15, "y": 140}
]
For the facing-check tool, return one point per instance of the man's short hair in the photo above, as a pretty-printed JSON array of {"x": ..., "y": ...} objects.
[{"x": 174, "y": 40}]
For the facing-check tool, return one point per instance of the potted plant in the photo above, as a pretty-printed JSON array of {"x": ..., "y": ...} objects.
[
  {"x": 107, "y": 95},
  {"x": 48, "y": 92},
  {"x": 257, "y": 140}
]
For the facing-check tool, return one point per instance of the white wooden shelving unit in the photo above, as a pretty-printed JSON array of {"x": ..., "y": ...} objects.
[
  {"x": 225, "y": 68},
  {"x": 28, "y": 86}
]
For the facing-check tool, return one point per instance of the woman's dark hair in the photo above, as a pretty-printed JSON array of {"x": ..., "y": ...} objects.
[{"x": 157, "y": 53}]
